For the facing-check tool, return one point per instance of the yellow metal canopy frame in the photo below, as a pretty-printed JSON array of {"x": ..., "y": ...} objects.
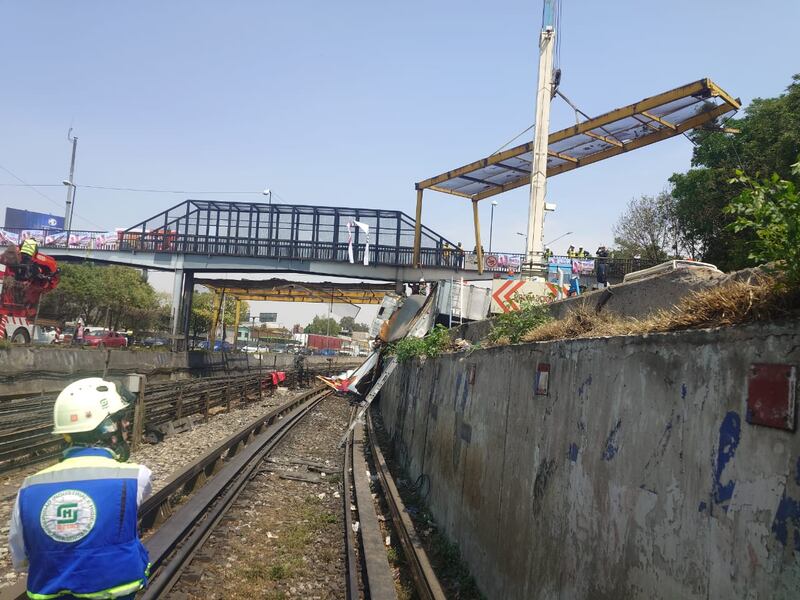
[
  {"x": 621, "y": 130},
  {"x": 282, "y": 290}
]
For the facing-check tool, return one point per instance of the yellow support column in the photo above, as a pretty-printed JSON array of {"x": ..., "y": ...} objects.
[
  {"x": 212, "y": 335},
  {"x": 236, "y": 321},
  {"x": 478, "y": 248},
  {"x": 418, "y": 230}
]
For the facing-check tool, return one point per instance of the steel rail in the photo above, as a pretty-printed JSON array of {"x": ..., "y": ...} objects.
[
  {"x": 186, "y": 479},
  {"x": 378, "y": 576},
  {"x": 174, "y": 544},
  {"x": 350, "y": 540},
  {"x": 422, "y": 573}
]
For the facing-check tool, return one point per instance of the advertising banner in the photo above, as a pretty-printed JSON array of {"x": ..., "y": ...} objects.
[
  {"x": 501, "y": 261},
  {"x": 25, "y": 219},
  {"x": 577, "y": 266}
]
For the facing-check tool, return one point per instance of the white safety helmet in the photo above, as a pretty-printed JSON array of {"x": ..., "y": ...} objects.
[{"x": 83, "y": 405}]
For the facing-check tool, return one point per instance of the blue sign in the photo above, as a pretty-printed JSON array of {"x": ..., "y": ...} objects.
[{"x": 25, "y": 219}]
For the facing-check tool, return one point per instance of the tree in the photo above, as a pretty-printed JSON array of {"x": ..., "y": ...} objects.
[
  {"x": 771, "y": 210},
  {"x": 323, "y": 325},
  {"x": 768, "y": 142},
  {"x": 646, "y": 228},
  {"x": 114, "y": 297},
  {"x": 203, "y": 312},
  {"x": 349, "y": 324}
]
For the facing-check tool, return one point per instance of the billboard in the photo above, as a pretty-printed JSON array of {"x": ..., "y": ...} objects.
[
  {"x": 25, "y": 219},
  {"x": 268, "y": 317}
]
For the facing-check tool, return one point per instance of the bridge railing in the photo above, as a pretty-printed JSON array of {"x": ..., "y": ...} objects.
[
  {"x": 57, "y": 238},
  {"x": 439, "y": 256}
]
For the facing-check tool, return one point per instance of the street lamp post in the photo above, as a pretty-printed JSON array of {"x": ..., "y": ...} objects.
[
  {"x": 70, "y": 206},
  {"x": 558, "y": 238},
  {"x": 491, "y": 225},
  {"x": 268, "y": 192}
]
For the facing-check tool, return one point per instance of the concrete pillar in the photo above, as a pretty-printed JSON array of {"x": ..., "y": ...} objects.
[
  {"x": 175, "y": 318},
  {"x": 186, "y": 306}
]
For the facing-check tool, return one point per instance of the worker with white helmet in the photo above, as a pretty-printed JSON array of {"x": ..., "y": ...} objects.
[{"x": 74, "y": 524}]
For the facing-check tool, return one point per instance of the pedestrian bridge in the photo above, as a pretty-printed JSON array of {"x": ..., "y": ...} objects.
[{"x": 212, "y": 236}]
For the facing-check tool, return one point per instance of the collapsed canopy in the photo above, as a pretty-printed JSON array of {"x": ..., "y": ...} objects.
[{"x": 645, "y": 122}]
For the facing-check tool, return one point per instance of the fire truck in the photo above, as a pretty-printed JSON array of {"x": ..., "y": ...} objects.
[{"x": 21, "y": 288}]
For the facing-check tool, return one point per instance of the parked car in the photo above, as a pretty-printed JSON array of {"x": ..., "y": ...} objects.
[
  {"x": 104, "y": 339},
  {"x": 46, "y": 335},
  {"x": 219, "y": 345},
  {"x": 154, "y": 342}
]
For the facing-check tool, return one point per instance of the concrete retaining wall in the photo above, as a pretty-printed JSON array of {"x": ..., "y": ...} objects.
[
  {"x": 634, "y": 299},
  {"x": 637, "y": 476},
  {"x": 31, "y": 370}
]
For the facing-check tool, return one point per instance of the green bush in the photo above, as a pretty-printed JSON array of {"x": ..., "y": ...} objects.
[
  {"x": 771, "y": 209},
  {"x": 431, "y": 346},
  {"x": 513, "y": 325}
]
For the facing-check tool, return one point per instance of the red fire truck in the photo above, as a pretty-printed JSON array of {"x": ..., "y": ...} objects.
[{"x": 21, "y": 288}]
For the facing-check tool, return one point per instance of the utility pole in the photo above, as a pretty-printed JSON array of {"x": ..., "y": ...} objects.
[
  {"x": 71, "y": 186},
  {"x": 547, "y": 41}
]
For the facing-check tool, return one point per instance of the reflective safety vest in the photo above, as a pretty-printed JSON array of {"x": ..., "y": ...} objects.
[
  {"x": 29, "y": 247},
  {"x": 79, "y": 522}
]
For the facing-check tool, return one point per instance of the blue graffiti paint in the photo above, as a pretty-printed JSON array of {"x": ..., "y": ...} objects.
[
  {"x": 582, "y": 387},
  {"x": 788, "y": 513},
  {"x": 729, "y": 433},
  {"x": 611, "y": 443},
  {"x": 702, "y": 508},
  {"x": 684, "y": 389},
  {"x": 573, "y": 452},
  {"x": 797, "y": 472}
]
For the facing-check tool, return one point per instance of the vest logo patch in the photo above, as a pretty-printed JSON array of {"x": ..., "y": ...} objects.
[{"x": 68, "y": 516}]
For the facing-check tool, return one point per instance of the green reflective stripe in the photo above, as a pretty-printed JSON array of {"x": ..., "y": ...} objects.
[
  {"x": 82, "y": 472},
  {"x": 78, "y": 474},
  {"x": 45, "y": 596},
  {"x": 115, "y": 592},
  {"x": 120, "y": 590}
]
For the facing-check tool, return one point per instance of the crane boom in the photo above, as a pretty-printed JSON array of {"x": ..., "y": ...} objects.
[{"x": 547, "y": 39}]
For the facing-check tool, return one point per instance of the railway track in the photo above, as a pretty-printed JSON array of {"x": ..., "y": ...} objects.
[
  {"x": 178, "y": 519},
  {"x": 376, "y": 573},
  {"x": 26, "y": 423},
  {"x": 178, "y": 526}
]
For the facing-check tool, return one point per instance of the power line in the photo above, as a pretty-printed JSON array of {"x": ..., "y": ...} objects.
[
  {"x": 24, "y": 183},
  {"x": 130, "y": 189},
  {"x": 158, "y": 191}
]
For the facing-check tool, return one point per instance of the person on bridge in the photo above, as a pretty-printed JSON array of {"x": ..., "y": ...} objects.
[
  {"x": 602, "y": 266},
  {"x": 74, "y": 524}
]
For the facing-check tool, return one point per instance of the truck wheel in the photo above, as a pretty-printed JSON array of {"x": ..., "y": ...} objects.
[{"x": 21, "y": 336}]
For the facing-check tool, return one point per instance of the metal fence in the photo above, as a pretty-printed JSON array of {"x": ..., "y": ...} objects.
[{"x": 226, "y": 229}]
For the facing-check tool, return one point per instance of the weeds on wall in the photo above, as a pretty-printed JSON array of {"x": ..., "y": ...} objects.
[
  {"x": 512, "y": 326},
  {"x": 432, "y": 345}
]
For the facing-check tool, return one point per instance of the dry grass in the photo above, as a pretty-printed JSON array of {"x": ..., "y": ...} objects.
[{"x": 757, "y": 299}]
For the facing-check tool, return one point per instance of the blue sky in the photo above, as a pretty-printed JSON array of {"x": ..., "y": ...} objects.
[{"x": 350, "y": 103}]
